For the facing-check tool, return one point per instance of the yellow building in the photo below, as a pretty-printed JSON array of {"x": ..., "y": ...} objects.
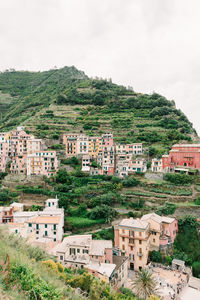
[{"x": 94, "y": 146}]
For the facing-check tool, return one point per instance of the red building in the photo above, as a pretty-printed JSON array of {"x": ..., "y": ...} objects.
[{"x": 183, "y": 155}]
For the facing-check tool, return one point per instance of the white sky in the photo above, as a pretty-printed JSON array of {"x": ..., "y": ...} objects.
[{"x": 152, "y": 45}]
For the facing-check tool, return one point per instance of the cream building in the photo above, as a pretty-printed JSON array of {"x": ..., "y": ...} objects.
[
  {"x": 133, "y": 239},
  {"x": 156, "y": 165}
]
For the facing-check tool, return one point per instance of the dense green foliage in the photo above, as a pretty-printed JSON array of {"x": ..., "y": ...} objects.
[
  {"x": 167, "y": 209},
  {"x": 187, "y": 242},
  {"x": 178, "y": 178}
]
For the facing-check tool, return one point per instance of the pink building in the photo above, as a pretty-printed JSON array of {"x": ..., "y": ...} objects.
[
  {"x": 4, "y": 152},
  {"x": 6, "y": 214},
  {"x": 107, "y": 139},
  {"x": 183, "y": 155},
  {"x": 19, "y": 141},
  {"x": 19, "y": 164},
  {"x": 70, "y": 142}
]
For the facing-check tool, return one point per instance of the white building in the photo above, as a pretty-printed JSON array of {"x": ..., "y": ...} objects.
[
  {"x": 86, "y": 163},
  {"x": 156, "y": 165},
  {"x": 82, "y": 144}
]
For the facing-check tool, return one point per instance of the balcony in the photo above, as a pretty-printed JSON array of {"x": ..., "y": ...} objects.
[{"x": 139, "y": 254}]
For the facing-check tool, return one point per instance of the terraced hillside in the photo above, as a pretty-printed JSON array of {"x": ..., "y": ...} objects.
[{"x": 60, "y": 100}]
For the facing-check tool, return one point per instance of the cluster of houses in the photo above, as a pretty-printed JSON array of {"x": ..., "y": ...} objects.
[
  {"x": 26, "y": 154},
  {"x": 41, "y": 226},
  {"x": 133, "y": 240},
  {"x": 100, "y": 155},
  {"x": 182, "y": 157}
]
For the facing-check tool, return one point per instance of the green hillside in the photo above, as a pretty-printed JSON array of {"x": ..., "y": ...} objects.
[
  {"x": 32, "y": 274},
  {"x": 60, "y": 100}
]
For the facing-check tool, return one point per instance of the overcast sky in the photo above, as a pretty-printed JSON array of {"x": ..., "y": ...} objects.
[{"x": 152, "y": 45}]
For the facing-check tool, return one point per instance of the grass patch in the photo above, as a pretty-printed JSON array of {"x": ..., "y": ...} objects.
[{"x": 80, "y": 222}]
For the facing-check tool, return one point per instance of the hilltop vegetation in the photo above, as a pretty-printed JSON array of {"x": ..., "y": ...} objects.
[{"x": 60, "y": 100}]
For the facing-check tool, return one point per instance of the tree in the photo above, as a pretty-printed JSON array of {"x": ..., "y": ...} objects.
[
  {"x": 145, "y": 285},
  {"x": 103, "y": 212},
  {"x": 196, "y": 269},
  {"x": 155, "y": 256}
]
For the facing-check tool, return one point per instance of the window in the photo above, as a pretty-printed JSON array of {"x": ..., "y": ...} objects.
[
  {"x": 45, "y": 226},
  {"x": 30, "y": 225},
  {"x": 123, "y": 247},
  {"x": 54, "y": 232},
  {"x": 54, "y": 227},
  {"x": 61, "y": 257},
  {"x": 72, "y": 251},
  {"x": 37, "y": 226},
  {"x": 85, "y": 251},
  {"x": 96, "y": 257},
  {"x": 37, "y": 232},
  {"x": 46, "y": 233},
  {"x": 140, "y": 258},
  {"x": 154, "y": 240},
  {"x": 78, "y": 250},
  {"x": 54, "y": 240},
  {"x": 140, "y": 242},
  {"x": 123, "y": 239},
  {"x": 140, "y": 233},
  {"x": 131, "y": 248}
]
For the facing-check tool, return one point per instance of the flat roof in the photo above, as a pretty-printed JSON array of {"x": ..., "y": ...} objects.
[
  {"x": 178, "y": 262},
  {"x": 134, "y": 223},
  {"x": 45, "y": 220},
  {"x": 102, "y": 268}
]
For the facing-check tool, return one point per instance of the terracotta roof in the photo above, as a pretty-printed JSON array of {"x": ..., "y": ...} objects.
[{"x": 45, "y": 220}]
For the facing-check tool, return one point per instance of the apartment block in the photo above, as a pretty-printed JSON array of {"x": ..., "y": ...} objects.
[
  {"x": 108, "y": 160},
  {"x": 86, "y": 163},
  {"x": 133, "y": 149},
  {"x": 19, "y": 164},
  {"x": 182, "y": 157},
  {"x": 135, "y": 238},
  {"x": 43, "y": 163},
  {"x": 94, "y": 146}
]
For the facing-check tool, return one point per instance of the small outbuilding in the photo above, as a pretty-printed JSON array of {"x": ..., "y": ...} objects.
[{"x": 178, "y": 264}]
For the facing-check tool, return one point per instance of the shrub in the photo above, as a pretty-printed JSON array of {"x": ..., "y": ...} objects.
[
  {"x": 178, "y": 178},
  {"x": 197, "y": 201},
  {"x": 130, "y": 181},
  {"x": 167, "y": 209},
  {"x": 103, "y": 212},
  {"x": 196, "y": 269},
  {"x": 156, "y": 256}
]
